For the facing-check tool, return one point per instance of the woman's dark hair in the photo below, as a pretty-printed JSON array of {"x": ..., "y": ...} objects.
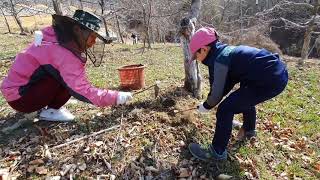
[
  {"x": 213, "y": 44},
  {"x": 64, "y": 30}
]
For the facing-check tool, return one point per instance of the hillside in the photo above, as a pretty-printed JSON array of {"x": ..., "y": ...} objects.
[{"x": 151, "y": 142}]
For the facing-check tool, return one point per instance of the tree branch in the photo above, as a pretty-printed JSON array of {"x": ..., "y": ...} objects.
[
  {"x": 195, "y": 9},
  {"x": 85, "y": 137}
]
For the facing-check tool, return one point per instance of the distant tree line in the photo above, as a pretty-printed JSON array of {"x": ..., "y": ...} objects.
[{"x": 159, "y": 20}]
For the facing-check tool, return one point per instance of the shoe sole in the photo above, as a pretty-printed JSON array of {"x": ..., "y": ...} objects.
[
  {"x": 52, "y": 120},
  {"x": 206, "y": 160}
]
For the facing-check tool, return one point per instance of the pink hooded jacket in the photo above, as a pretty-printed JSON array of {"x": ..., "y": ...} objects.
[{"x": 52, "y": 59}]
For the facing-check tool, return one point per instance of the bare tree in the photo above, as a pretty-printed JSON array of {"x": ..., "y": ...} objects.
[
  {"x": 81, "y": 4},
  {"x": 307, "y": 35},
  {"x": 117, "y": 21},
  {"x": 14, "y": 13},
  {"x": 57, "y": 7},
  {"x": 5, "y": 19},
  {"x": 147, "y": 22},
  {"x": 224, "y": 8},
  {"x": 193, "y": 78},
  {"x": 102, "y": 7}
]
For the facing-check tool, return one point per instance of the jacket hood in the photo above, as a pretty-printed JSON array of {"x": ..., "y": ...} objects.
[
  {"x": 215, "y": 50},
  {"x": 49, "y": 35}
]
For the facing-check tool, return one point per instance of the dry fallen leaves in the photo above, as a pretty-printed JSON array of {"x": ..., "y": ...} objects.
[
  {"x": 317, "y": 166},
  {"x": 152, "y": 169},
  {"x": 112, "y": 177},
  {"x": 53, "y": 178},
  {"x": 46, "y": 152},
  {"x": 41, "y": 170},
  {"x": 167, "y": 135},
  {"x": 66, "y": 168},
  {"x": 249, "y": 166},
  {"x": 184, "y": 172},
  {"x": 98, "y": 143},
  {"x": 31, "y": 169},
  {"x": 36, "y": 162},
  {"x": 223, "y": 177},
  {"x": 4, "y": 174},
  {"x": 82, "y": 166}
]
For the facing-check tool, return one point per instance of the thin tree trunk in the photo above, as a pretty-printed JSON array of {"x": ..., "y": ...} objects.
[
  {"x": 225, "y": 6},
  {"x": 307, "y": 37},
  {"x": 5, "y": 20},
  {"x": 158, "y": 35},
  {"x": 81, "y": 4},
  {"x": 118, "y": 26},
  {"x": 149, "y": 25},
  {"x": 193, "y": 79},
  {"x": 22, "y": 31},
  {"x": 57, "y": 7},
  {"x": 105, "y": 26},
  {"x": 163, "y": 37},
  {"x": 146, "y": 23},
  {"x": 101, "y": 3},
  {"x": 306, "y": 44},
  {"x": 145, "y": 29},
  {"x": 241, "y": 19},
  {"x": 16, "y": 17},
  {"x": 151, "y": 32}
]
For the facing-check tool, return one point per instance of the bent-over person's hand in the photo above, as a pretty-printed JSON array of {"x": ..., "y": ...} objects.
[{"x": 202, "y": 109}]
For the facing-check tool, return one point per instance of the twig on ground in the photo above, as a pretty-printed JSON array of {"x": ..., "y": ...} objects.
[
  {"x": 86, "y": 137},
  {"x": 143, "y": 90},
  {"x": 15, "y": 167},
  {"x": 106, "y": 163},
  {"x": 15, "y": 126},
  {"x": 163, "y": 174},
  {"x": 156, "y": 89},
  {"x": 118, "y": 137},
  {"x": 157, "y": 139}
]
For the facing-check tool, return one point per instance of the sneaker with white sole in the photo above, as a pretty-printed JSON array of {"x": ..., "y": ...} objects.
[
  {"x": 206, "y": 154},
  {"x": 245, "y": 135},
  {"x": 236, "y": 124},
  {"x": 58, "y": 115}
]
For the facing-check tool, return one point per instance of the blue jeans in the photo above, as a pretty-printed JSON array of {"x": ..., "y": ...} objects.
[{"x": 243, "y": 101}]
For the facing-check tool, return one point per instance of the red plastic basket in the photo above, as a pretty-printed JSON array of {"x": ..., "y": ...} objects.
[{"x": 132, "y": 77}]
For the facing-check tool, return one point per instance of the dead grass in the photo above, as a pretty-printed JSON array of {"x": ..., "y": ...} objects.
[
  {"x": 257, "y": 39},
  {"x": 29, "y": 23}
]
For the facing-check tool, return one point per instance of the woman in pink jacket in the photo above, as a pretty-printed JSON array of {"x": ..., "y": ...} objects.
[{"x": 52, "y": 69}]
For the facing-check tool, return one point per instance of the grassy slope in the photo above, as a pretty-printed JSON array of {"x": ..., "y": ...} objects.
[{"x": 283, "y": 121}]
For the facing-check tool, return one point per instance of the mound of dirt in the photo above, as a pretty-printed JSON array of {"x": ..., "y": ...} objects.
[{"x": 257, "y": 39}]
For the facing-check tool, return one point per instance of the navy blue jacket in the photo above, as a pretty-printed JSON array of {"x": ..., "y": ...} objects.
[{"x": 249, "y": 66}]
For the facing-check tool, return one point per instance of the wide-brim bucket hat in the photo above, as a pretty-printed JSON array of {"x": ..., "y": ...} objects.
[{"x": 87, "y": 20}]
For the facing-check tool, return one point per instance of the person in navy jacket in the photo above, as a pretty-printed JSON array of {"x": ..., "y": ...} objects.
[{"x": 261, "y": 74}]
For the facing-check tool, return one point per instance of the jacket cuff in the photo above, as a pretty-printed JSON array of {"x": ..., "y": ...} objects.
[
  {"x": 116, "y": 97},
  {"x": 207, "y": 106}
]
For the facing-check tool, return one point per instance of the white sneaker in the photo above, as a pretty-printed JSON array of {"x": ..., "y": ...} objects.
[
  {"x": 236, "y": 124},
  {"x": 58, "y": 115}
]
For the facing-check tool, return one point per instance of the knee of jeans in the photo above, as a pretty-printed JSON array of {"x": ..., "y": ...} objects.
[
  {"x": 249, "y": 109},
  {"x": 223, "y": 108}
]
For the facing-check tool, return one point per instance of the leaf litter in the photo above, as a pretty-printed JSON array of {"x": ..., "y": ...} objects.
[{"x": 150, "y": 143}]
